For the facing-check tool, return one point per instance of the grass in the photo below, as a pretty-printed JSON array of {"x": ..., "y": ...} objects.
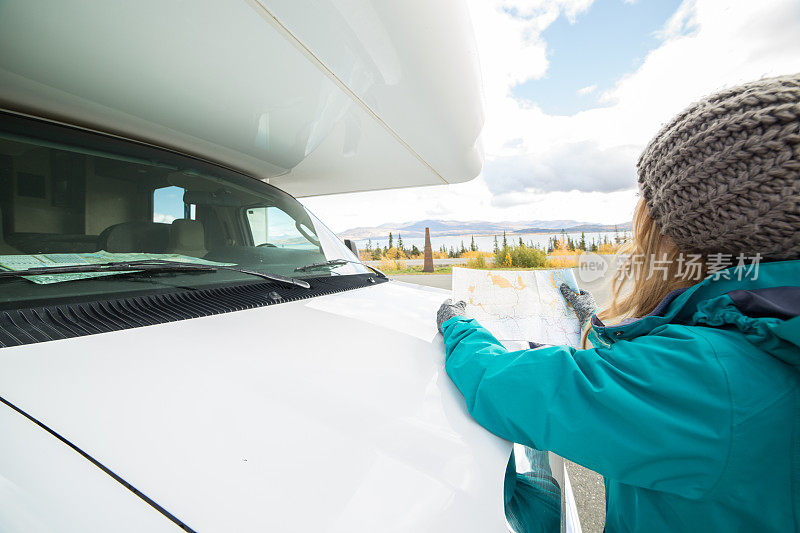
[
  {"x": 417, "y": 270},
  {"x": 449, "y": 269}
]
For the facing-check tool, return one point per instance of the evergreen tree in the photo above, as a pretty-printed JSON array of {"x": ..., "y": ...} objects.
[
  {"x": 452, "y": 252},
  {"x": 473, "y": 247},
  {"x": 505, "y": 241},
  {"x": 582, "y": 242},
  {"x": 414, "y": 250},
  {"x": 463, "y": 249},
  {"x": 521, "y": 244},
  {"x": 496, "y": 246},
  {"x": 400, "y": 243},
  {"x": 390, "y": 240}
]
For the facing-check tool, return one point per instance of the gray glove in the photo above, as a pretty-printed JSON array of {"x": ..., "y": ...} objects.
[
  {"x": 448, "y": 310},
  {"x": 582, "y": 302}
]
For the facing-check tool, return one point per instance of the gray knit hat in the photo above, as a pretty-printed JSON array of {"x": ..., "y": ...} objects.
[{"x": 724, "y": 175}]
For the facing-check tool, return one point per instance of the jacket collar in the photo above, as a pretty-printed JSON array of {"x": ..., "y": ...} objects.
[{"x": 680, "y": 306}]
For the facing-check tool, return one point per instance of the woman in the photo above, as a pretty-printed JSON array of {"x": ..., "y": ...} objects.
[{"x": 688, "y": 403}]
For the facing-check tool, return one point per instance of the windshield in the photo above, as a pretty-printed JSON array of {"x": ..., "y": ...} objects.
[{"x": 68, "y": 197}]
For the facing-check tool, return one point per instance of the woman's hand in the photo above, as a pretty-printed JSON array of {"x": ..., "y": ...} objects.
[
  {"x": 582, "y": 302},
  {"x": 448, "y": 310}
]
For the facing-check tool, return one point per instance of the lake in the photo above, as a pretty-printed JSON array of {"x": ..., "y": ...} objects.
[{"x": 485, "y": 243}]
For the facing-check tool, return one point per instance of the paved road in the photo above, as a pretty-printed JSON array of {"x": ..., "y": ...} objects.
[
  {"x": 443, "y": 281},
  {"x": 449, "y": 261},
  {"x": 587, "y": 486}
]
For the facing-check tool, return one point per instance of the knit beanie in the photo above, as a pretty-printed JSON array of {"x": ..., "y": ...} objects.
[{"x": 724, "y": 175}]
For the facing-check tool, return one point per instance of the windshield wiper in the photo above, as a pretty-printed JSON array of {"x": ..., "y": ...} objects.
[
  {"x": 148, "y": 265},
  {"x": 336, "y": 262}
]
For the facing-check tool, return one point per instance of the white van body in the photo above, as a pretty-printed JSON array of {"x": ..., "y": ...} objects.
[
  {"x": 245, "y": 422},
  {"x": 329, "y": 412},
  {"x": 319, "y": 97}
]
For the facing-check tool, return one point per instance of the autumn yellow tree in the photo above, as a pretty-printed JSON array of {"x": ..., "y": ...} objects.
[{"x": 395, "y": 253}]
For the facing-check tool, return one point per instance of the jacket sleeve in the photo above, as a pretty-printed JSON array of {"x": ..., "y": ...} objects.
[{"x": 653, "y": 412}]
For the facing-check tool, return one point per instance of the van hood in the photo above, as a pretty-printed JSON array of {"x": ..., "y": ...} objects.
[{"x": 327, "y": 414}]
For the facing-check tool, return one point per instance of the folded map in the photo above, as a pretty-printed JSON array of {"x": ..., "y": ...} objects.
[{"x": 520, "y": 306}]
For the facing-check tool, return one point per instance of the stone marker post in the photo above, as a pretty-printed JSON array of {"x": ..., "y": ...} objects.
[{"x": 428, "y": 267}]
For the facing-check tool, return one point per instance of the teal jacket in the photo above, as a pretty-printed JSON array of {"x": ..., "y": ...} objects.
[{"x": 691, "y": 413}]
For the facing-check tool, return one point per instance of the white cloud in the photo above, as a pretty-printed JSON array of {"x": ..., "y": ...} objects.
[
  {"x": 586, "y": 90},
  {"x": 508, "y": 33},
  {"x": 581, "y": 166},
  {"x": 706, "y": 44},
  {"x": 469, "y": 201},
  {"x": 532, "y": 157},
  {"x": 162, "y": 218}
]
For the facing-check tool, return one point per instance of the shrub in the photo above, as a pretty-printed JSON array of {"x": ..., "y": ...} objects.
[
  {"x": 391, "y": 265},
  {"x": 607, "y": 248},
  {"x": 479, "y": 262},
  {"x": 563, "y": 261},
  {"x": 500, "y": 255},
  {"x": 395, "y": 253},
  {"x": 472, "y": 254},
  {"x": 522, "y": 256}
]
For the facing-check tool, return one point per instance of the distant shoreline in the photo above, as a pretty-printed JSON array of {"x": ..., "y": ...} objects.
[
  {"x": 443, "y": 229},
  {"x": 508, "y": 234},
  {"x": 453, "y": 238}
]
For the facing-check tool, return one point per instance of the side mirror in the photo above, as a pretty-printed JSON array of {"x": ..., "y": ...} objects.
[{"x": 352, "y": 246}]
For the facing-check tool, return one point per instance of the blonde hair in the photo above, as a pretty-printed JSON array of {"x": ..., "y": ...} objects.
[{"x": 650, "y": 267}]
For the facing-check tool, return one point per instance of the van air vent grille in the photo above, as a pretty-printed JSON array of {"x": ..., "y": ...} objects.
[{"x": 28, "y": 326}]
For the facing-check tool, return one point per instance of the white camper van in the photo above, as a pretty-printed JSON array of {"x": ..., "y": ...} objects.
[{"x": 183, "y": 346}]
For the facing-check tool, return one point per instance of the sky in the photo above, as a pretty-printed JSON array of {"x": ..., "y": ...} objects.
[{"x": 573, "y": 91}]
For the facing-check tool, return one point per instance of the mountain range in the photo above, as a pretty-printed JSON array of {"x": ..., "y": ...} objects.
[{"x": 443, "y": 228}]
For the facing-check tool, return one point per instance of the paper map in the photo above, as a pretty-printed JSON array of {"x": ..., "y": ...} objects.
[
  {"x": 519, "y": 306},
  {"x": 24, "y": 262}
]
